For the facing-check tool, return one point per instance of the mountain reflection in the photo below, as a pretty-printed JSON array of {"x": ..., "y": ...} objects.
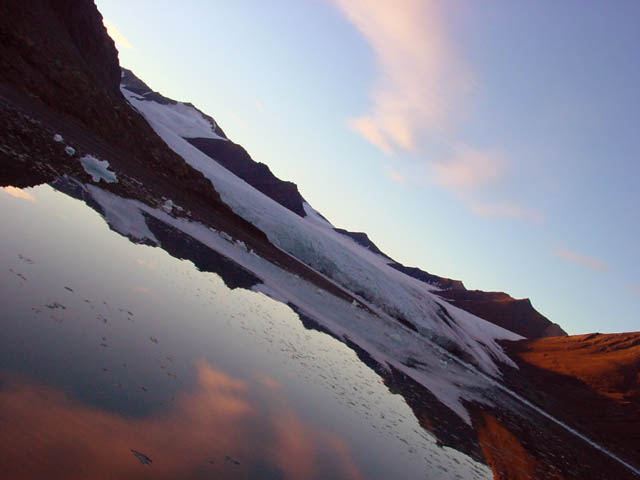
[{"x": 218, "y": 430}]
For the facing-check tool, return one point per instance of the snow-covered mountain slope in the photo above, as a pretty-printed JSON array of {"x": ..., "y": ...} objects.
[{"x": 339, "y": 258}]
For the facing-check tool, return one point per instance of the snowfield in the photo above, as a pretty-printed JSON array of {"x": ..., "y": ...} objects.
[{"x": 388, "y": 292}]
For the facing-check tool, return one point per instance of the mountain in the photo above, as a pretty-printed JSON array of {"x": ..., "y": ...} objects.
[
  {"x": 175, "y": 181},
  {"x": 211, "y": 140},
  {"x": 201, "y": 131}
]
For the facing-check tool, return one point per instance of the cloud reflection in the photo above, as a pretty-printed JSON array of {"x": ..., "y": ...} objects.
[
  {"x": 18, "y": 193},
  {"x": 46, "y": 434}
]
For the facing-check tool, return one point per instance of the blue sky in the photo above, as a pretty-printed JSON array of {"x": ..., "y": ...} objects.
[{"x": 494, "y": 143}]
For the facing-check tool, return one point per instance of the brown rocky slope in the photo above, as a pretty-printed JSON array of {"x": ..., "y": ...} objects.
[{"x": 593, "y": 380}]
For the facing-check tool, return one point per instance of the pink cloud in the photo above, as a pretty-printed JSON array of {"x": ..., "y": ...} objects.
[
  {"x": 583, "y": 260},
  {"x": 505, "y": 210},
  {"x": 18, "y": 193},
  {"x": 469, "y": 168},
  {"x": 420, "y": 78},
  {"x": 397, "y": 176},
  {"x": 419, "y": 90}
]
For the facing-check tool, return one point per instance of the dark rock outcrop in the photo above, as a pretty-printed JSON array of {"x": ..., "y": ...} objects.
[
  {"x": 363, "y": 239},
  {"x": 236, "y": 159},
  {"x": 435, "y": 280},
  {"x": 517, "y": 315}
]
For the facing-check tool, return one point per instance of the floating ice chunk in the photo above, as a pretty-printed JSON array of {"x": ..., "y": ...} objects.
[
  {"x": 57, "y": 138},
  {"x": 70, "y": 151},
  {"x": 98, "y": 169}
]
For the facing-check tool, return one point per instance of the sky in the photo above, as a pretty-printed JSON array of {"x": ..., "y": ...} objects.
[{"x": 493, "y": 142}]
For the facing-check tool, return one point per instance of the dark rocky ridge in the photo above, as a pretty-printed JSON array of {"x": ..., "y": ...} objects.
[
  {"x": 426, "y": 277},
  {"x": 517, "y": 315},
  {"x": 363, "y": 239},
  {"x": 235, "y": 158}
]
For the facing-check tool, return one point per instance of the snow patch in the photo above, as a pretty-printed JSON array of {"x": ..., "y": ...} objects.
[{"x": 180, "y": 118}]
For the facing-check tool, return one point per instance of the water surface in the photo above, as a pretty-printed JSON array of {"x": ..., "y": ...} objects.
[{"x": 119, "y": 360}]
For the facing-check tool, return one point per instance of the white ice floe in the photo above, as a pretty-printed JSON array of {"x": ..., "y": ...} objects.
[
  {"x": 70, "y": 151},
  {"x": 58, "y": 138},
  {"x": 98, "y": 169}
]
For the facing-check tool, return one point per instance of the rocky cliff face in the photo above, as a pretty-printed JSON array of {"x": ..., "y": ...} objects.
[
  {"x": 517, "y": 315},
  {"x": 236, "y": 159},
  {"x": 57, "y": 52}
]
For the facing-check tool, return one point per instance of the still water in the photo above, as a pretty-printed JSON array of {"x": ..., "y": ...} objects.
[{"x": 118, "y": 360}]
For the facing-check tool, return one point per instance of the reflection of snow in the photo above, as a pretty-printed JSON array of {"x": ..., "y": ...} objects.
[
  {"x": 120, "y": 216},
  {"x": 98, "y": 169}
]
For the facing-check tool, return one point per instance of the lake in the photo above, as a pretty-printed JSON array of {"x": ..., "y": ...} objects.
[{"x": 119, "y": 360}]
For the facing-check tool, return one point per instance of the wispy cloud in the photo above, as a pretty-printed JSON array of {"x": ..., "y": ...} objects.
[
  {"x": 469, "y": 168},
  {"x": 420, "y": 77},
  {"x": 117, "y": 36},
  {"x": 397, "y": 176},
  {"x": 504, "y": 210},
  {"x": 419, "y": 93},
  {"x": 18, "y": 193},
  {"x": 581, "y": 259}
]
